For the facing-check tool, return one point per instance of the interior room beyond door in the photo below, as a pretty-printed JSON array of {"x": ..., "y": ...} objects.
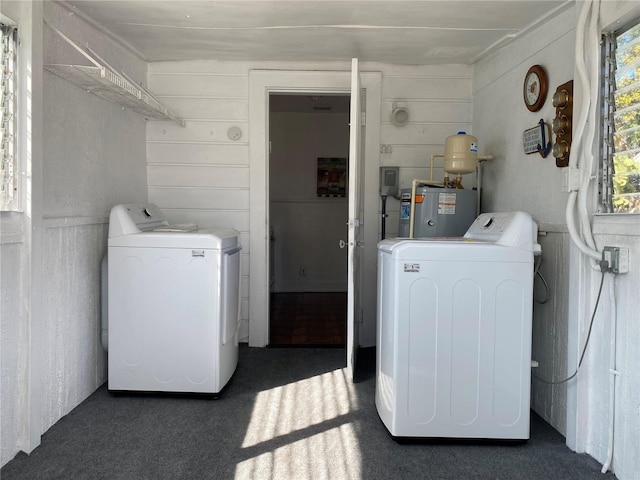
[{"x": 308, "y": 194}]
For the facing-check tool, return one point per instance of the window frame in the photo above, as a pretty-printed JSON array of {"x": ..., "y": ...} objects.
[
  {"x": 607, "y": 125},
  {"x": 9, "y": 142}
]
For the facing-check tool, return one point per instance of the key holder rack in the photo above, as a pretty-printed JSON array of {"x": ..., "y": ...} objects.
[{"x": 534, "y": 140}]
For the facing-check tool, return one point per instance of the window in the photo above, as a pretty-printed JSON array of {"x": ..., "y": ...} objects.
[
  {"x": 8, "y": 144},
  {"x": 620, "y": 187}
]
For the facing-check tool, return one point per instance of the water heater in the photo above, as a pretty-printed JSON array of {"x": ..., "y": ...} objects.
[{"x": 439, "y": 212}]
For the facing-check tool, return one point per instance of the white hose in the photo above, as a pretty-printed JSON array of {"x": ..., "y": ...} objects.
[
  {"x": 577, "y": 239},
  {"x": 614, "y": 373},
  {"x": 586, "y": 245},
  {"x": 587, "y": 152},
  {"x": 582, "y": 74}
]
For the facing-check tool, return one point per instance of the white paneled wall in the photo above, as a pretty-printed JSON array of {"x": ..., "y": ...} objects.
[
  {"x": 550, "y": 329},
  {"x": 94, "y": 159},
  {"x": 19, "y": 238},
  {"x": 75, "y": 360},
  {"x": 12, "y": 326},
  {"x": 594, "y": 407},
  {"x": 439, "y": 102},
  {"x": 514, "y": 180},
  {"x": 198, "y": 174}
]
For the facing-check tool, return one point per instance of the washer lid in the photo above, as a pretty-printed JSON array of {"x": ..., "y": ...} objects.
[
  {"x": 206, "y": 238},
  {"x": 453, "y": 250},
  {"x": 177, "y": 227}
]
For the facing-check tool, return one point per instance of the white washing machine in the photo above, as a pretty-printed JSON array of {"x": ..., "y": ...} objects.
[
  {"x": 454, "y": 331},
  {"x": 173, "y": 303}
]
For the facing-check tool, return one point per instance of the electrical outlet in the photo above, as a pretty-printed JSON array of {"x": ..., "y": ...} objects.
[{"x": 617, "y": 259}]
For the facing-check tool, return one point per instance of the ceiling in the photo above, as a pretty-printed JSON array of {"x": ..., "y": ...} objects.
[{"x": 413, "y": 32}]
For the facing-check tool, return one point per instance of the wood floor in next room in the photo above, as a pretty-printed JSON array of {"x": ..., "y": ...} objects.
[{"x": 308, "y": 319}]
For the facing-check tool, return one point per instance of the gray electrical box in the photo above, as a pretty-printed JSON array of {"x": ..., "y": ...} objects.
[{"x": 389, "y": 181}]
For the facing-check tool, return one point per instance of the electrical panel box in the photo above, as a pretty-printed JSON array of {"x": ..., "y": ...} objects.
[{"x": 389, "y": 181}]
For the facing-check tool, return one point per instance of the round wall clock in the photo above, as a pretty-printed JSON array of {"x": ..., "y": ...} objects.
[{"x": 535, "y": 88}]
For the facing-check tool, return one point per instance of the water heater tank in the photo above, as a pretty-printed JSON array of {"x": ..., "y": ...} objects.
[
  {"x": 460, "y": 153},
  {"x": 439, "y": 212}
]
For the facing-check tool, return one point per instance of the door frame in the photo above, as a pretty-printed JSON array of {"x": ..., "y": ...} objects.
[{"x": 261, "y": 84}]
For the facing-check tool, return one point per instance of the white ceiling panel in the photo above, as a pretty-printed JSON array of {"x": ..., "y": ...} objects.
[{"x": 391, "y": 31}]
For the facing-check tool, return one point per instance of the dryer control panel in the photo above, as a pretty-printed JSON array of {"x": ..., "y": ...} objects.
[{"x": 513, "y": 229}]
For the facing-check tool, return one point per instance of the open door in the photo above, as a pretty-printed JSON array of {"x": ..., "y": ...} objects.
[{"x": 353, "y": 224}]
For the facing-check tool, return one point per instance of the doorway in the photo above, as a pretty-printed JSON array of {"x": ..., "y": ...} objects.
[
  {"x": 261, "y": 84},
  {"x": 309, "y": 146}
]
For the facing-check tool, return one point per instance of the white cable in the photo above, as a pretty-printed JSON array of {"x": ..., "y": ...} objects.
[{"x": 614, "y": 373}]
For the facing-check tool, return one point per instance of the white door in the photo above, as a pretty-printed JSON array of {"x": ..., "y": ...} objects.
[{"x": 353, "y": 224}]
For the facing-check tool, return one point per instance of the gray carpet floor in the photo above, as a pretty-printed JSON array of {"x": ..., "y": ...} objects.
[{"x": 288, "y": 413}]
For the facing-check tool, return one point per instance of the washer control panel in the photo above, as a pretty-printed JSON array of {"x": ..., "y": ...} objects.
[
  {"x": 126, "y": 219},
  {"x": 515, "y": 229}
]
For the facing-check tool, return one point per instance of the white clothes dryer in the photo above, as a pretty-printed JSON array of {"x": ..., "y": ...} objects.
[
  {"x": 454, "y": 331},
  {"x": 173, "y": 303}
]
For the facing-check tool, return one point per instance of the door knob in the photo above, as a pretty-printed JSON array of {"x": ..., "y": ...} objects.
[{"x": 342, "y": 243}]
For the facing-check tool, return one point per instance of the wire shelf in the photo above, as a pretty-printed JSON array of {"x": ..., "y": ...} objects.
[{"x": 103, "y": 81}]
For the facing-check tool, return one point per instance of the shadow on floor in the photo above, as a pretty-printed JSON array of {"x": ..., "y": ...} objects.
[{"x": 288, "y": 413}]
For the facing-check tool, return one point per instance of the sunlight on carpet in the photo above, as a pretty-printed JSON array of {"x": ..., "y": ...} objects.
[{"x": 303, "y": 429}]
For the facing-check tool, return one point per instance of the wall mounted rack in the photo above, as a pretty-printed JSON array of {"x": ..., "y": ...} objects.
[{"x": 102, "y": 80}]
